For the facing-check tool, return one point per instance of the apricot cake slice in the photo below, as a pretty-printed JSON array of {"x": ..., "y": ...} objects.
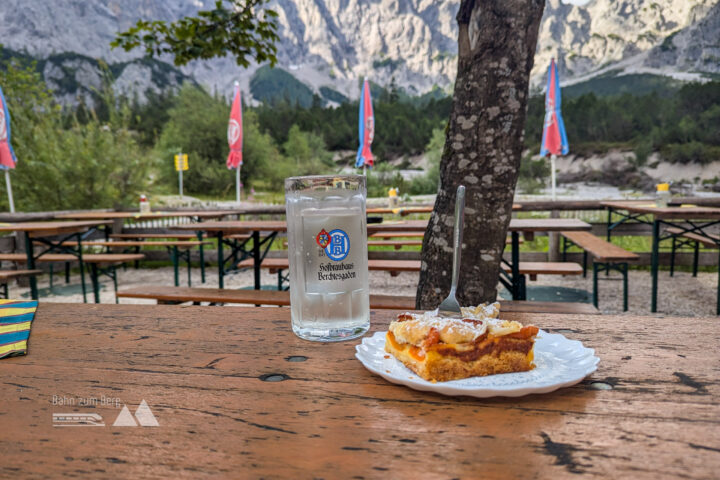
[{"x": 440, "y": 348}]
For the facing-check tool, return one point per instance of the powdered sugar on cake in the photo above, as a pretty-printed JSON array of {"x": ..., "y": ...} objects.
[{"x": 413, "y": 328}]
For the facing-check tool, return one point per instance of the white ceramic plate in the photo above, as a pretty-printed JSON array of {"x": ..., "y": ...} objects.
[{"x": 560, "y": 362}]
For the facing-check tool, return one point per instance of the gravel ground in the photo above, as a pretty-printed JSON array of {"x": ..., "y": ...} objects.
[{"x": 681, "y": 295}]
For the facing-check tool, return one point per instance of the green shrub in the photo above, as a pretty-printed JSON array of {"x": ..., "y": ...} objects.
[
  {"x": 65, "y": 164},
  {"x": 197, "y": 126},
  {"x": 533, "y": 174},
  {"x": 429, "y": 183}
]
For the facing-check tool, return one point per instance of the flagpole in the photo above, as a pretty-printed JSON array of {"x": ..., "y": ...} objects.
[
  {"x": 237, "y": 184},
  {"x": 552, "y": 175},
  {"x": 9, "y": 190}
]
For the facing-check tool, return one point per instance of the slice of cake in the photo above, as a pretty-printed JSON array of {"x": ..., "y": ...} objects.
[{"x": 440, "y": 349}]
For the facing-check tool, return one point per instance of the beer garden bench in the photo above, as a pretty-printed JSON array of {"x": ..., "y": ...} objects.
[
  {"x": 178, "y": 249},
  {"x": 533, "y": 269},
  {"x": 99, "y": 264},
  {"x": 606, "y": 257},
  {"x": 396, "y": 244},
  {"x": 7, "y": 275},
  {"x": 160, "y": 236},
  {"x": 175, "y": 295},
  {"x": 395, "y": 235},
  {"x": 682, "y": 238}
]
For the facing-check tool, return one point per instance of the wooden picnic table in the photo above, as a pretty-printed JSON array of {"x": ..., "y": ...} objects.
[
  {"x": 410, "y": 209},
  {"x": 47, "y": 229},
  {"x": 666, "y": 222},
  {"x": 194, "y": 215},
  {"x": 240, "y": 251},
  {"x": 236, "y": 394},
  {"x": 92, "y": 215},
  {"x": 39, "y": 233},
  {"x": 400, "y": 210}
]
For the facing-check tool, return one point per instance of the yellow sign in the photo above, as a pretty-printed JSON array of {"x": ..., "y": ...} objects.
[{"x": 181, "y": 162}]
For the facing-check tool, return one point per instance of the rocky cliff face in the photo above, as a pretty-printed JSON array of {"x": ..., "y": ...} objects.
[
  {"x": 334, "y": 43},
  {"x": 611, "y": 36}
]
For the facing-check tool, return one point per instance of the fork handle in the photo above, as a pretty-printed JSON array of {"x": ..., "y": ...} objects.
[{"x": 457, "y": 235}]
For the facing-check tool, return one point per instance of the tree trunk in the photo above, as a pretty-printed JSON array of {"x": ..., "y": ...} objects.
[{"x": 483, "y": 146}]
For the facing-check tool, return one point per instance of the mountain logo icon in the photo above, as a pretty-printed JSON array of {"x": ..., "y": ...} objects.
[{"x": 143, "y": 417}]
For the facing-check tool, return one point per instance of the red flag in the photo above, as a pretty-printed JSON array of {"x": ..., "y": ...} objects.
[
  {"x": 234, "y": 132},
  {"x": 366, "y": 128},
  {"x": 7, "y": 155},
  {"x": 554, "y": 139}
]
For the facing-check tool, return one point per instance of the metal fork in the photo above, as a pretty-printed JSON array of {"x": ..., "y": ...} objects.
[{"x": 450, "y": 306}]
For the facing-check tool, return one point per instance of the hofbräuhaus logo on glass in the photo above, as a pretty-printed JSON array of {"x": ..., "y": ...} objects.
[
  {"x": 331, "y": 254},
  {"x": 339, "y": 246}
]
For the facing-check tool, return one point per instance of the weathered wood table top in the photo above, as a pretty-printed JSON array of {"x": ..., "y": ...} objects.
[
  {"x": 523, "y": 225},
  {"x": 683, "y": 212},
  {"x": 50, "y": 228},
  {"x": 236, "y": 394},
  {"x": 91, "y": 215}
]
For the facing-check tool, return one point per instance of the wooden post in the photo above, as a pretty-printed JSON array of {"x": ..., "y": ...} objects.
[{"x": 553, "y": 241}]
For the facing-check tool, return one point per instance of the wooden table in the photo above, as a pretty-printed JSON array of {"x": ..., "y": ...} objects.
[
  {"x": 686, "y": 218},
  {"x": 400, "y": 210},
  {"x": 198, "y": 214},
  {"x": 194, "y": 215},
  {"x": 239, "y": 249},
  {"x": 514, "y": 281},
  {"x": 236, "y": 394},
  {"x": 408, "y": 210},
  {"x": 39, "y": 232}
]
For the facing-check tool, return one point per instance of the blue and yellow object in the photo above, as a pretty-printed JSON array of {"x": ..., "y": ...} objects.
[{"x": 16, "y": 318}]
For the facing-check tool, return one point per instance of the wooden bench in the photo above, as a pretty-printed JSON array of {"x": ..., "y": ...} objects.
[
  {"x": 99, "y": 263},
  {"x": 410, "y": 235},
  {"x": 173, "y": 295},
  {"x": 7, "y": 275},
  {"x": 606, "y": 257},
  {"x": 533, "y": 269},
  {"x": 184, "y": 244},
  {"x": 135, "y": 236},
  {"x": 177, "y": 236},
  {"x": 179, "y": 250},
  {"x": 681, "y": 238},
  {"x": 278, "y": 265},
  {"x": 397, "y": 235},
  {"x": 237, "y": 236},
  {"x": 396, "y": 244}
]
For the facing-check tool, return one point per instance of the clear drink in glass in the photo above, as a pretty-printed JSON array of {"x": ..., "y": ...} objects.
[{"x": 327, "y": 251}]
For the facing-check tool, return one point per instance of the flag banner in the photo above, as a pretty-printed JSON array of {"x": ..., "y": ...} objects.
[
  {"x": 7, "y": 155},
  {"x": 234, "y": 132},
  {"x": 554, "y": 139},
  {"x": 366, "y": 130}
]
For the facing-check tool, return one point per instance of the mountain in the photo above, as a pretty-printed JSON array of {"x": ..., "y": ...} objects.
[
  {"x": 617, "y": 38},
  {"x": 329, "y": 45}
]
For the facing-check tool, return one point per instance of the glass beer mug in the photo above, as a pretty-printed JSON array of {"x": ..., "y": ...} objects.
[{"x": 327, "y": 251}]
